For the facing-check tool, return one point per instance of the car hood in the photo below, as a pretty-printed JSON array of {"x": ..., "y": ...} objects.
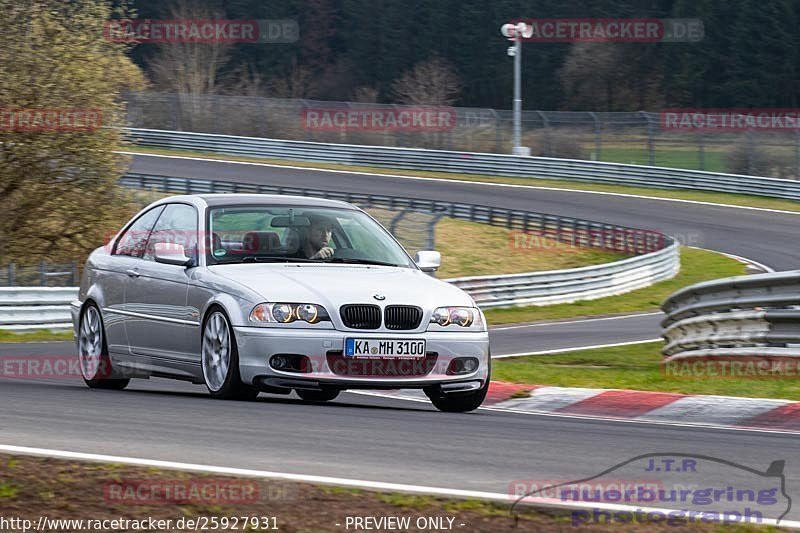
[{"x": 336, "y": 285}]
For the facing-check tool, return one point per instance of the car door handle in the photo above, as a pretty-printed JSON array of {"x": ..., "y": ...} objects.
[{"x": 133, "y": 273}]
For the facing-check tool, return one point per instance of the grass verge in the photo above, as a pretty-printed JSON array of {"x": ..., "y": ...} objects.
[
  {"x": 473, "y": 249},
  {"x": 696, "y": 266},
  {"x": 685, "y": 158},
  {"x": 88, "y": 491},
  {"x": 635, "y": 367},
  {"x": 41, "y": 335},
  {"x": 699, "y": 196}
]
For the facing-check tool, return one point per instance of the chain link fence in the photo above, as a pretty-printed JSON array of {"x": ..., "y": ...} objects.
[
  {"x": 634, "y": 137},
  {"x": 39, "y": 275}
]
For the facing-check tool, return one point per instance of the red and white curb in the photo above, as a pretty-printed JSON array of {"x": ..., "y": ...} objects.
[{"x": 641, "y": 406}]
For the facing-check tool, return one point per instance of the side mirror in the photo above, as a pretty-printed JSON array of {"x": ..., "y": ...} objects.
[
  {"x": 428, "y": 260},
  {"x": 171, "y": 254}
]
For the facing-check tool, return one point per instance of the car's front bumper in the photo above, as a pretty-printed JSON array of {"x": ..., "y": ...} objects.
[{"x": 330, "y": 368}]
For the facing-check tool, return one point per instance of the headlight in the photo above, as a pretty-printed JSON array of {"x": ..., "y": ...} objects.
[
  {"x": 308, "y": 312},
  {"x": 285, "y": 313},
  {"x": 456, "y": 316}
]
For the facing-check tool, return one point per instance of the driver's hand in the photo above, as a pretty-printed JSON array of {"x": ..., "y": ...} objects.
[{"x": 323, "y": 253}]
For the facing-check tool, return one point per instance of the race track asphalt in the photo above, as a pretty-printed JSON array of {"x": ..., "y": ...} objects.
[
  {"x": 384, "y": 439},
  {"x": 355, "y": 436}
]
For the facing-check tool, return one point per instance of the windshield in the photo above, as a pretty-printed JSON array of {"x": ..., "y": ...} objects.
[{"x": 299, "y": 234}]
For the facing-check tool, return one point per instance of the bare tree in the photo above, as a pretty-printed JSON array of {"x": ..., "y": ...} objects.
[
  {"x": 246, "y": 81},
  {"x": 431, "y": 82},
  {"x": 185, "y": 67},
  {"x": 365, "y": 95},
  {"x": 589, "y": 74},
  {"x": 299, "y": 83},
  {"x": 609, "y": 76},
  {"x": 191, "y": 70}
]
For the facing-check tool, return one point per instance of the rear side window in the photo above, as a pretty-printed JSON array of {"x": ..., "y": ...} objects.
[{"x": 133, "y": 241}]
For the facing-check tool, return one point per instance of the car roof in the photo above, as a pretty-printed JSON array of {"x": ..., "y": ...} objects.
[{"x": 215, "y": 200}]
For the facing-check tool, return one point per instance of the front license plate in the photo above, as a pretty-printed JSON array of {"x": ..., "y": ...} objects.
[{"x": 384, "y": 348}]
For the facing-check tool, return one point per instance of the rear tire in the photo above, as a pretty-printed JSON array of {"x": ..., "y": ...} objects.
[
  {"x": 219, "y": 360},
  {"x": 324, "y": 395},
  {"x": 95, "y": 364}
]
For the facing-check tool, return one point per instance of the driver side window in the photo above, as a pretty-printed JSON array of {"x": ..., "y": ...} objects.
[{"x": 176, "y": 225}]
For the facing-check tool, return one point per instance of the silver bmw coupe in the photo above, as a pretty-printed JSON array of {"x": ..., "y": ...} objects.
[{"x": 263, "y": 293}]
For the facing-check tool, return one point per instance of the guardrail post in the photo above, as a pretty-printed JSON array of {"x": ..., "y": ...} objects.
[
  {"x": 12, "y": 268},
  {"x": 430, "y": 242},
  {"x": 42, "y": 274},
  {"x": 546, "y": 126},
  {"x": 701, "y": 151},
  {"x": 74, "y": 277},
  {"x": 598, "y": 137},
  {"x": 395, "y": 221},
  {"x": 651, "y": 150}
]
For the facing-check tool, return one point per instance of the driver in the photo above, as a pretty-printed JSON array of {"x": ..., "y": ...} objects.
[{"x": 318, "y": 238}]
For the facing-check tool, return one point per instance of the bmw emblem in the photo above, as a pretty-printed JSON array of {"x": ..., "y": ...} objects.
[{"x": 378, "y": 296}]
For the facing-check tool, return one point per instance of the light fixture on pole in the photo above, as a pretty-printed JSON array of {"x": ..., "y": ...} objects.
[{"x": 517, "y": 32}]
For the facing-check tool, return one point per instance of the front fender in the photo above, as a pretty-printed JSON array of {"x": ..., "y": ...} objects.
[{"x": 238, "y": 310}]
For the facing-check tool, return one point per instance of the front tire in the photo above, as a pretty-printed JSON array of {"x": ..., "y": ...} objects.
[
  {"x": 324, "y": 395},
  {"x": 219, "y": 360},
  {"x": 95, "y": 364},
  {"x": 460, "y": 402}
]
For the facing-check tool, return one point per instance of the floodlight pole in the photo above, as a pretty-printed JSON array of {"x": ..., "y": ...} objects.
[
  {"x": 516, "y": 32},
  {"x": 517, "y": 137}
]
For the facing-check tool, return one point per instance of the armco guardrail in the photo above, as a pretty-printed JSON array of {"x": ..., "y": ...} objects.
[
  {"x": 657, "y": 255},
  {"x": 568, "y": 230},
  {"x": 470, "y": 163},
  {"x": 563, "y": 286},
  {"x": 26, "y": 308},
  {"x": 743, "y": 316}
]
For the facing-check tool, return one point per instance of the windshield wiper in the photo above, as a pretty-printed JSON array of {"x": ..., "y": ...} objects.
[
  {"x": 359, "y": 261},
  {"x": 274, "y": 259}
]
